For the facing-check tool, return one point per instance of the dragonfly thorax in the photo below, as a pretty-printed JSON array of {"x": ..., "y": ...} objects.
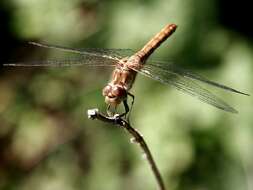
[{"x": 134, "y": 62}]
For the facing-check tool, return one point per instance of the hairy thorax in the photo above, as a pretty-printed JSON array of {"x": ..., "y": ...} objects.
[{"x": 122, "y": 80}]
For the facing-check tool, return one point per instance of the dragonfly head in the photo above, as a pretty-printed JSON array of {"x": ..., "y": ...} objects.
[{"x": 114, "y": 94}]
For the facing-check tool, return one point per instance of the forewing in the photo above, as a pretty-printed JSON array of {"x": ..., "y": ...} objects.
[
  {"x": 100, "y": 52},
  {"x": 184, "y": 84},
  {"x": 89, "y": 57},
  {"x": 84, "y": 60}
]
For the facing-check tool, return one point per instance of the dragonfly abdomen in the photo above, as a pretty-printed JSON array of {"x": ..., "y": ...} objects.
[{"x": 156, "y": 41}]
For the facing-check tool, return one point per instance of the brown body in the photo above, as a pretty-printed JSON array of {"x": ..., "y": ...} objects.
[{"x": 123, "y": 76}]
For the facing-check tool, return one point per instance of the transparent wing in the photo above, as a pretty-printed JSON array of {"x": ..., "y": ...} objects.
[
  {"x": 86, "y": 60},
  {"x": 108, "y": 53},
  {"x": 184, "y": 82},
  {"x": 189, "y": 74},
  {"x": 90, "y": 57}
]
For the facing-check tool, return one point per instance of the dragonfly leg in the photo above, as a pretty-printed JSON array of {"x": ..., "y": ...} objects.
[
  {"x": 109, "y": 112},
  {"x": 127, "y": 112},
  {"x": 126, "y": 109},
  {"x": 132, "y": 103}
]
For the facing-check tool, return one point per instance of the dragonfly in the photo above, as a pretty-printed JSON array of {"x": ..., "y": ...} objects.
[{"x": 127, "y": 64}]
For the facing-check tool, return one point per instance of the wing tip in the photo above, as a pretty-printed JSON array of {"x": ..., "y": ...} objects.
[
  {"x": 239, "y": 92},
  {"x": 234, "y": 111},
  {"x": 246, "y": 94},
  {"x": 231, "y": 110}
]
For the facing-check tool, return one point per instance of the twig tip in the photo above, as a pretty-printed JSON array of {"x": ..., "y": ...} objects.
[{"x": 92, "y": 113}]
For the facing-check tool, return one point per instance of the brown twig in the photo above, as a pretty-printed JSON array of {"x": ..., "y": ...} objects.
[{"x": 116, "y": 120}]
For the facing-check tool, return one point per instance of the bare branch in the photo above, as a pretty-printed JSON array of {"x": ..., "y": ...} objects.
[{"x": 118, "y": 121}]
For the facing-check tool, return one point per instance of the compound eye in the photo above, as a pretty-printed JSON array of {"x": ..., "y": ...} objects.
[
  {"x": 107, "y": 90},
  {"x": 116, "y": 91}
]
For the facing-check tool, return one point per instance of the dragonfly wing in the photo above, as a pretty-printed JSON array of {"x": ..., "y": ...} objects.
[
  {"x": 118, "y": 53},
  {"x": 108, "y": 53},
  {"x": 184, "y": 84},
  {"x": 86, "y": 60},
  {"x": 189, "y": 74},
  {"x": 91, "y": 57}
]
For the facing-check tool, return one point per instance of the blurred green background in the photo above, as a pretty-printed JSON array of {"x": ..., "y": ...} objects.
[{"x": 46, "y": 140}]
